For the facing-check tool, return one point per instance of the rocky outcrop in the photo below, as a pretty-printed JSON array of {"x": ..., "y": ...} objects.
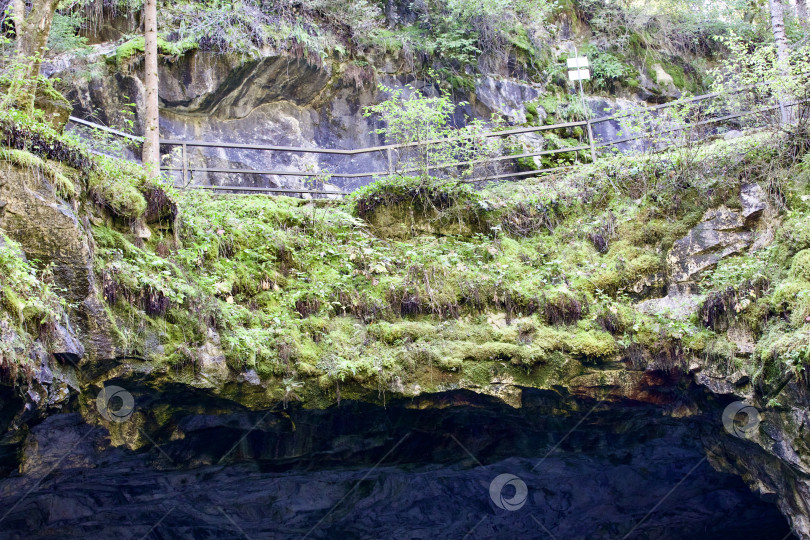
[
  {"x": 722, "y": 232},
  {"x": 505, "y": 97},
  {"x": 49, "y": 230}
]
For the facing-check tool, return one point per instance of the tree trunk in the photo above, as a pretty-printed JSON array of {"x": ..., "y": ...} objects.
[
  {"x": 17, "y": 13},
  {"x": 801, "y": 13},
  {"x": 151, "y": 144},
  {"x": 782, "y": 52},
  {"x": 32, "y": 33}
]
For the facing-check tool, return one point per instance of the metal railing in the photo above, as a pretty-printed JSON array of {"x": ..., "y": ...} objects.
[{"x": 593, "y": 146}]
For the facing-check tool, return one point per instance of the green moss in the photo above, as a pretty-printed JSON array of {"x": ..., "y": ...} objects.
[
  {"x": 796, "y": 232},
  {"x": 592, "y": 344},
  {"x": 800, "y": 268},
  {"x": 624, "y": 265},
  {"x": 480, "y": 373},
  {"x": 782, "y": 350},
  {"x": 498, "y": 351},
  {"x": 786, "y": 293},
  {"x": 549, "y": 103},
  {"x": 698, "y": 342},
  {"x": 644, "y": 265},
  {"x": 125, "y": 51},
  {"x": 532, "y": 116},
  {"x": 62, "y": 184},
  {"x": 27, "y": 304},
  {"x": 136, "y": 46},
  {"x": 408, "y": 331}
]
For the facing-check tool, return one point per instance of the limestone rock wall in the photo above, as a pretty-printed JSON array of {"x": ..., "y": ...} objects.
[{"x": 283, "y": 101}]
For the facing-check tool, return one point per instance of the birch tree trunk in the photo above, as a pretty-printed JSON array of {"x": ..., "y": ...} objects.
[
  {"x": 801, "y": 13},
  {"x": 782, "y": 52},
  {"x": 151, "y": 144}
]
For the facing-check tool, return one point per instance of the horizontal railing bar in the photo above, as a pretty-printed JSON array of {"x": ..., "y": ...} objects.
[
  {"x": 487, "y": 160},
  {"x": 243, "y": 171},
  {"x": 642, "y": 110},
  {"x": 285, "y": 190},
  {"x": 491, "y": 134},
  {"x": 503, "y": 158},
  {"x": 377, "y": 173},
  {"x": 238, "y": 146},
  {"x": 700, "y": 123},
  {"x": 269, "y": 190},
  {"x": 504, "y": 133},
  {"x": 105, "y": 128},
  {"x": 692, "y": 99},
  {"x": 509, "y": 175},
  {"x": 275, "y": 173}
]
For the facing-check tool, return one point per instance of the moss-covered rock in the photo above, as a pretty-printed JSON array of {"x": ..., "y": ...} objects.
[{"x": 800, "y": 268}]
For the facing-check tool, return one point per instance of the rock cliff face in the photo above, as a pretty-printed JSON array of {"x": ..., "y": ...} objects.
[
  {"x": 50, "y": 230},
  {"x": 591, "y": 431},
  {"x": 280, "y": 101}
]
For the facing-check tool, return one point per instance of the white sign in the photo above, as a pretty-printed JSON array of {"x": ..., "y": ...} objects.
[
  {"x": 576, "y": 63},
  {"x": 579, "y": 75}
]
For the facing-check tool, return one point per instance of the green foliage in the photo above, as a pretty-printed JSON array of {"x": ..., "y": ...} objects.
[
  {"x": 782, "y": 350},
  {"x": 431, "y": 193},
  {"x": 27, "y": 292},
  {"x": 135, "y": 47},
  {"x": 608, "y": 70},
  {"x": 28, "y": 302},
  {"x": 800, "y": 268},
  {"x": 430, "y": 145},
  {"x": 227, "y": 26},
  {"x": 673, "y": 26},
  {"x": 21, "y": 131},
  {"x": 62, "y": 184},
  {"x": 64, "y": 34},
  {"x": 115, "y": 184},
  {"x": 756, "y": 69},
  {"x": 733, "y": 271},
  {"x": 137, "y": 273}
]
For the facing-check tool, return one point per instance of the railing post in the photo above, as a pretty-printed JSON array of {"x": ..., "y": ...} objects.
[
  {"x": 185, "y": 167},
  {"x": 590, "y": 140}
]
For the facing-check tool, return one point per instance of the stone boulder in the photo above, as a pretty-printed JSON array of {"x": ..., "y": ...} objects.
[{"x": 753, "y": 202}]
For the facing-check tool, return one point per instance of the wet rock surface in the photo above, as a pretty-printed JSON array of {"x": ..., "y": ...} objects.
[{"x": 358, "y": 471}]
